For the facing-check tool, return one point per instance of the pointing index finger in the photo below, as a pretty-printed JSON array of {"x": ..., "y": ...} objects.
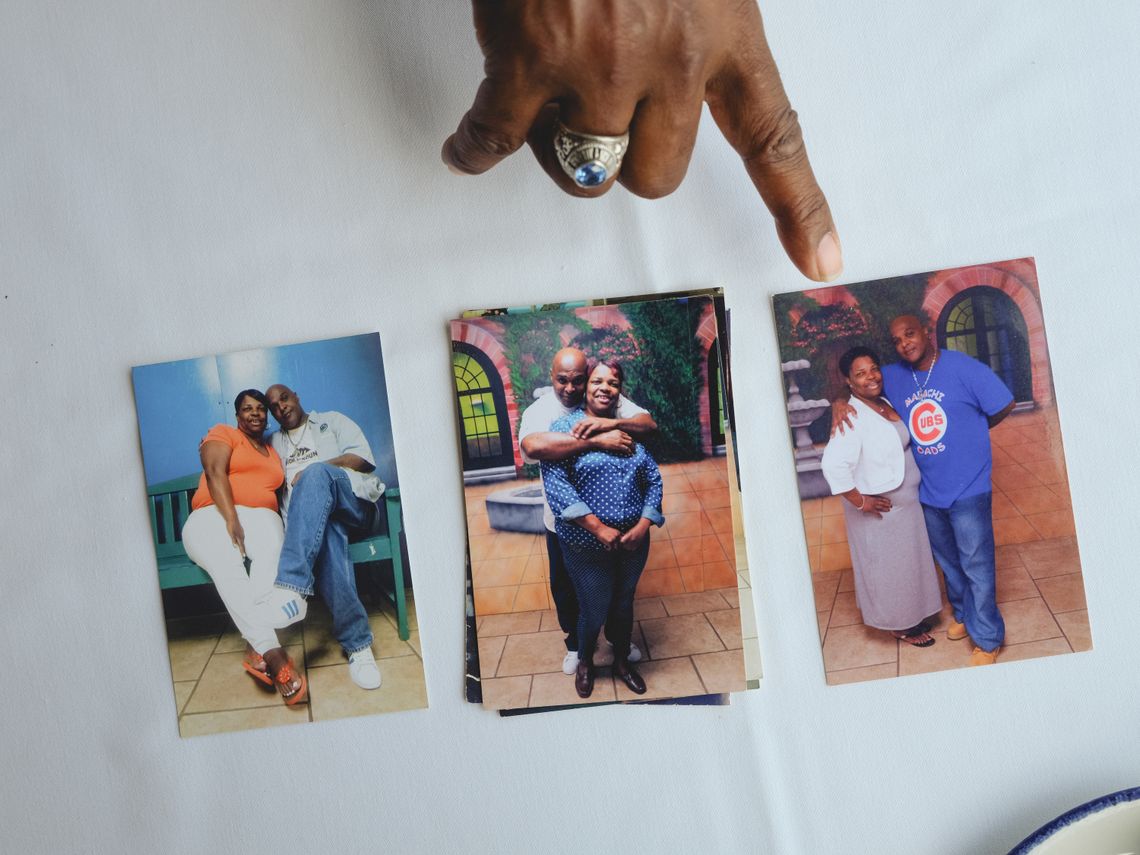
[{"x": 748, "y": 102}]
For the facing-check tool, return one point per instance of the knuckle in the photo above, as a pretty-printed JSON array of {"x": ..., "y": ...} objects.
[
  {"x": 775, "y": 138},
  {"x": 690, "y": 56},
  {"x": 806, "y": 207},
  {"x": 480, "y": 142}
]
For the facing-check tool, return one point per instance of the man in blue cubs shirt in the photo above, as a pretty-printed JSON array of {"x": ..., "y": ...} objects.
[{"x": 950, "y": 401}]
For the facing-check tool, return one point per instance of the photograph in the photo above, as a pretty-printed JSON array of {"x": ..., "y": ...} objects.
[
  {"x": 606, "y": 554},
  {"x": 931, "y": 472},
  {"x": 277, "y": 526}
]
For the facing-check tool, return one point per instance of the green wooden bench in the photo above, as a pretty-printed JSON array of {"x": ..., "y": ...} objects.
[{"x": 170, "y": 506}]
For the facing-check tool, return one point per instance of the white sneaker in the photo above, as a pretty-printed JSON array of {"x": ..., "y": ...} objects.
[
  {"x": 570, "y": 663},
  {"x": 363, "y": 670},
  {"x": 282, "y": 607},
  {"x": 634, "y": 652}
]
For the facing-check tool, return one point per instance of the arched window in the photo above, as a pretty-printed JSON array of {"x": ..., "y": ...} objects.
[
  {"x": 985, "y": 323},
  {"x": 482, "y": 409}
]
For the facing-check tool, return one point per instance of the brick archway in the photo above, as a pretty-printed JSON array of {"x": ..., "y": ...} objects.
[
  {"x": 480, "y": 334},
  {"x": 1018, "y": 281},
  {"x": 706, "y": 338}
]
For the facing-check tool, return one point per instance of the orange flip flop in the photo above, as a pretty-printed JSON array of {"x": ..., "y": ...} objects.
[
  {"x": 284, "y": 679},
  {"x": 254, "y": 665}
]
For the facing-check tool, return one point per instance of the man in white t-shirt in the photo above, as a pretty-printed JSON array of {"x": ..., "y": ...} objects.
[
  {"x": 537, "y": 442},
  {"x": 331, "y": 488}
]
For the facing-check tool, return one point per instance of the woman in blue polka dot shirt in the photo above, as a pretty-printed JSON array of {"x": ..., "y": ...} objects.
[{"x": 603, "y": 505}]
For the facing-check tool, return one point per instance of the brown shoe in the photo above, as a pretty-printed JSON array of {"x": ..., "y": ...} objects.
[
  {"x": 984, "y": 657},
  {"x": 584, "y": 679},
  {"x": 956, "y": 631},
  {"x": 632, "y": 679}
]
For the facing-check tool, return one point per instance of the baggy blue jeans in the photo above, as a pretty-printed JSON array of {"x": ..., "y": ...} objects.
[
  {"x": 962, "y": 539},
  {"x": 323, "y": 511}
]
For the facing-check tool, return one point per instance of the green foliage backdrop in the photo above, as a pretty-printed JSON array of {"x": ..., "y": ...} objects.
[
  {"x": 666, "y": 380},
  {"x": 659, "y": 353},
  {"x": 530, "y": 340}
]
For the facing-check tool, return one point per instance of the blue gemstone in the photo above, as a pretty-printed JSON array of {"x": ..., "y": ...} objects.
[{"x": 590, "y": 174}]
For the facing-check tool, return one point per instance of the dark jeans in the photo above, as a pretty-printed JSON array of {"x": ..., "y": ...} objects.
[
  {"x": 562, "y": 590},
  {"x": 605, "y": 583}
]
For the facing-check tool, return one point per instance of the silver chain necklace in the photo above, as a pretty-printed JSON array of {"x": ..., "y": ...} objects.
[
  {"x": 922, "y": 388},
  {"x": 301, "y": 433}
]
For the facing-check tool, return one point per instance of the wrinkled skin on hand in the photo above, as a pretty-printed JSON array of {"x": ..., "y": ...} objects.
[
  {"x": 605, "y": 66},
  {"x": 614, "y": 441},
  {"x": 591, "y": 425}
]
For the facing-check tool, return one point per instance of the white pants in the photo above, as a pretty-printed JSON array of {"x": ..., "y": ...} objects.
[{"x": 209, "y": 546}]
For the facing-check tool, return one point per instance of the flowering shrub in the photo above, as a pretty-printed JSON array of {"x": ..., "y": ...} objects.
[
  {"x": 827, "y": 324},
  {"x": 611, "y": 343}
]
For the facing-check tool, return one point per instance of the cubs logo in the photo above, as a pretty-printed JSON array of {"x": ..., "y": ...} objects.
[{"x": 928, "y": 422}]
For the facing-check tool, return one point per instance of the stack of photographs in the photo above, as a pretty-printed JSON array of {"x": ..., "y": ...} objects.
[{"x": 603, "y": 504}]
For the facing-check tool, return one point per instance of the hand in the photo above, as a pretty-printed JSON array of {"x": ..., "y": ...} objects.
[
  {"x": 592, "y": 425},
  {"x": 609, "y": 537},
  {"x": 613, "y": 441},
  {"x": 632, "y": 539},
  {"x": 646, "y": 66},
  {"x": 237, "y": 534},
  {"x": 876, "y": 506},
  {"x": 841, "y": 415}
]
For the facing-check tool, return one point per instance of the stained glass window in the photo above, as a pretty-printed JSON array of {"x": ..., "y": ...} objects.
[{"x": 476, "y": 408}]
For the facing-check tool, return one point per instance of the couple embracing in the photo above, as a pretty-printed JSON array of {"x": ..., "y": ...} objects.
[
  {"x": 603, "y": 492},
  {"x": 938, "y": 405},
  {"x": 270, "y": 524}
]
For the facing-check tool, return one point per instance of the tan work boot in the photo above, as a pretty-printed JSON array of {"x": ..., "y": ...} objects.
[
  {"x": 984, "y": 657},
  {"x": 956, "y": 631}
]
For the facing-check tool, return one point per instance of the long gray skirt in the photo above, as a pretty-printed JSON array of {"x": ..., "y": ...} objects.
[{"x": 896, "y": 585}]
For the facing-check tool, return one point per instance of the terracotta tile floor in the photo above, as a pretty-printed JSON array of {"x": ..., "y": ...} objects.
[
  {"x": 1039, "y": 580},
  {"x": 694, "y": 551},
  {"x": 694, "y": 616},
  {"x": 214, "y": 694}
]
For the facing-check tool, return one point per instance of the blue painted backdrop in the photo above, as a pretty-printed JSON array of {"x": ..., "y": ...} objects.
[{"x": 178, "y": 402}]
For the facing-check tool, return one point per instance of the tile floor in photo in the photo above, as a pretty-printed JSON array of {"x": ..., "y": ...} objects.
[
  {"x": 215, "y": 695},
  {"x": 694, "y": 551},
  {"x": 687, "y": 610},
  {"x": 1040, "y": 588},
  {"x": 691, "y": 643}
]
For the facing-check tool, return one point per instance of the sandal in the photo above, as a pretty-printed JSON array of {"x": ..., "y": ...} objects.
[
  {"x": 285, "y": 677},
  {"x": 915, "y": 636},
  {"x": 254, "y": 665}
]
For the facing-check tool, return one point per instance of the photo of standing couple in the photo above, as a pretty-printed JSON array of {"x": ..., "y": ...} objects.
[
  {"x": 286, "y": 505},
  {"x": 931, "y": 472},
  {"x": 586, "y": 586}
]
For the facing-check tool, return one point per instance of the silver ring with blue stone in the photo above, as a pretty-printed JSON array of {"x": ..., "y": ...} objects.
[{"x": 590, "y": 160}]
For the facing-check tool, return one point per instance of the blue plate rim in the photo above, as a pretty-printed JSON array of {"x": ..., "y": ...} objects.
[{"x": 1070, "y": 816}]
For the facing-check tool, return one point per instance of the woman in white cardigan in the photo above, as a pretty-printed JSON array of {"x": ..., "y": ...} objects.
[{"x": 870, "y": 466}]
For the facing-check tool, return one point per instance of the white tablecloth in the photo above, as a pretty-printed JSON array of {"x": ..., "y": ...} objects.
[{"x": 179, "y": 179}]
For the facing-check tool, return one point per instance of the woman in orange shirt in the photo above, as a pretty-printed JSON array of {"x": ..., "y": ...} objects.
[{"x": 234, "y": 533}]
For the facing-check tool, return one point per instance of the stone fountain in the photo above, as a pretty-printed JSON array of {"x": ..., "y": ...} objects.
[{"x": 801, "y": 414}]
